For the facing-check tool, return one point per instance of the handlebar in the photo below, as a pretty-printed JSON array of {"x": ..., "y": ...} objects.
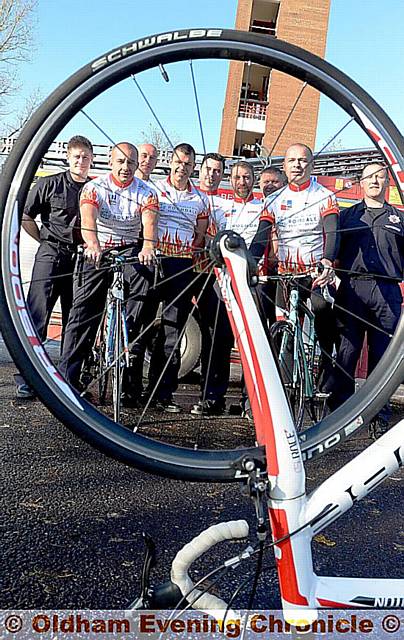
[
  {"x": 111, "y": 254},
  {"x": 235, "y": 529}
]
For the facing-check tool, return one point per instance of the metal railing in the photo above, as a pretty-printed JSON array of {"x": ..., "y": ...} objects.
[{"x": 255, "y": 109}]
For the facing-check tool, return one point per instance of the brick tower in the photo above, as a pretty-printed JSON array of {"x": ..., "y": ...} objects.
[{"x": 258, "y": 100}]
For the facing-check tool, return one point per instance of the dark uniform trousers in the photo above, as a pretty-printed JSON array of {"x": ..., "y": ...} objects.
[
  {"x": 165, "y": 361},
  {"x": 372, "y": 300},
  {"x": 217, "y": 341},
  {"x": 266, "y": 292},
  {"x": 52, "y": 277},
  {"x": 89, "y": 298}
]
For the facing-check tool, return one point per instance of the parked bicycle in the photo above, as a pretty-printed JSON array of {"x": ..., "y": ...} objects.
[
  {"x": 299, "y": 355},
  {"x": 110, "y": 352}
]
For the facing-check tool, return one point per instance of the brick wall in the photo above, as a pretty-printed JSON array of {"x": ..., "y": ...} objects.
[
  {"x": 304, "y": 24},
  {"x": 300, "y": 22},
  {"x": 233, "y": 90}
]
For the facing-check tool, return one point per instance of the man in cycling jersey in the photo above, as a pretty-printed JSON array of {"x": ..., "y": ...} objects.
[
  {"x": 183, "y": 222},
  {"x": 271, "y": 179},
  {"x": 147, "y": 162},
  {"x": 242, "y": 214},
  {"x": 217, "y": 338},
  {"x": 55, "y": 199},
  {"x": 115, "y": 208},
  {"x": 305, "y": 216},
  {"x": 371, "y": 265}
]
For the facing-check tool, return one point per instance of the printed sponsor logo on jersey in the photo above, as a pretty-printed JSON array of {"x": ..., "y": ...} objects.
[
  {"x": 147, "y": 43},
  {"x": 286, "y": 204}
]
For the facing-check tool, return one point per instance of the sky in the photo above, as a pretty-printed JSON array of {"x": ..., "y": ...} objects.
[{"x": 364, "y": 40}]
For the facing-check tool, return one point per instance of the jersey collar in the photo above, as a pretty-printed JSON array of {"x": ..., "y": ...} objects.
[
  {"x": 250, "y": 197},
  {"x": 121, "y": 185},
  {"x": 208, "y": 193},
  {"x": 299, "y": 187},
  {"x": 189, "y": 186}
]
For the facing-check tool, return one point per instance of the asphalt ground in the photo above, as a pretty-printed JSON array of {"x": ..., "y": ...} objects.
[{"x": 72, "y": 519}]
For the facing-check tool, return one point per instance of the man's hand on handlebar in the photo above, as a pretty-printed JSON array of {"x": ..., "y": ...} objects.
[
  {"x": 92, "y": 252},
  {"x": 147, "y": 256},
  {"x": 326, "y": 273}
]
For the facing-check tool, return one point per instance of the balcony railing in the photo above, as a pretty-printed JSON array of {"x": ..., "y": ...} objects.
[
  {"x": 255, "y": 109},
  {"x": 263, "y": 26}
]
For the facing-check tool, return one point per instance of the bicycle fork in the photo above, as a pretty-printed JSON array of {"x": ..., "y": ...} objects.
[{"x": 119, "y": 342}]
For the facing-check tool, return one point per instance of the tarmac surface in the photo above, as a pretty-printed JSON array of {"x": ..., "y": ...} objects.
[{"x": 72, "y": 519}]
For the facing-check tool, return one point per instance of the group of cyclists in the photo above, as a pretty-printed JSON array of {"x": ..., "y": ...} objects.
[{"x": 295, "y": 227}]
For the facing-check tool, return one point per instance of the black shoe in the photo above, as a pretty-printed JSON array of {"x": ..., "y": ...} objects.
[
  {"x": 235, "y": 410},
  {"x": 208, "y": 408},
  {"x": 168, "y": 405},
  {"x": 130, "y": 402},
  {"x": 377, "y": 428}
]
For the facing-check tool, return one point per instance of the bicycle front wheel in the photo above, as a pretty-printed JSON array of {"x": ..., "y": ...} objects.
[
  {"x": 151, "y": 453},
  {"x": 117, "y": 366},
  {"x": 291, "y": 369}
]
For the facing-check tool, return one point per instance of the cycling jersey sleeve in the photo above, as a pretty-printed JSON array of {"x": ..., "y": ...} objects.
[
  {"x": 261, "y": 238},
  {"x": 332, "y": 236}
]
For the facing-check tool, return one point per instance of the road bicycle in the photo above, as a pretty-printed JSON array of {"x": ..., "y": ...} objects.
[
  {"x": 299, "y": 356},
  {"x": 276, "y": 453},
  {"x": 110, "y": 353},
  {"x": 294, "y": 517}
]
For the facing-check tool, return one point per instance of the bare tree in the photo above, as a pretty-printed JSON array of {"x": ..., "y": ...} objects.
[
  {"x": 335, "y": 145},
  {"x": 32, "y": 102},
  {"x": 161, "y": 140},
  {"x": 16, "y": 38}
]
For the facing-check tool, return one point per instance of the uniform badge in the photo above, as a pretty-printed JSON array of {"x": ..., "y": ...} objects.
[{"x": 394, "y": 219}]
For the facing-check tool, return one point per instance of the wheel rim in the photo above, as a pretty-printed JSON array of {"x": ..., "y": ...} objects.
[{"x": 70, "y": 97}]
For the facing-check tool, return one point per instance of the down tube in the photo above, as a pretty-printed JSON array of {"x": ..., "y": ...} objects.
[
  {"x": 275, "y": 430},
  {"x": 339, "y": 493}
]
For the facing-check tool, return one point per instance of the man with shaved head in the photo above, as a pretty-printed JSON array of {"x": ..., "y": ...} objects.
[
  {"x": 147, "y": 161},
  {"x": 305, "y": 217},
  {"x": 116, "y": 209},
  {"x": 371, "y": 263}
]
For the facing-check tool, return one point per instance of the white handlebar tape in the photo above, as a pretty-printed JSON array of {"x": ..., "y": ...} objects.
[{"x": 193, "y": 550}]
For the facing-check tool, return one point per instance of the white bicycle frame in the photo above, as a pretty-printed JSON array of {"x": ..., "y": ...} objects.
[{"x": 302, "y": 591}]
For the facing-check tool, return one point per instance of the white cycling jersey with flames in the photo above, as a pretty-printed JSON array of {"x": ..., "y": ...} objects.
[
  {"x": 218, "y": 207},
  {"x": 296, "y": 213},
  {"x": 244, "y": 216},
  {"x": 180, "y": 212},
  {"x": 120, "y": 207}
]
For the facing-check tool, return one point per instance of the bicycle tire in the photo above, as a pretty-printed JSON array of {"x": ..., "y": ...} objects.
[
  {"x": 35, "y": 138},
  {"x": 317, "y": 402},
  {"x": 116, "y": 371},
  {"x": 190, "y": 347},
  {"x": 101, "y": 369},
  {"x": 295, "y": 390}
]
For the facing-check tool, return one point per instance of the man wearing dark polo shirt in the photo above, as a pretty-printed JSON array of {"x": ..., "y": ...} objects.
[
  {"x": 370, "y": 263},
  {"x": 56, "y": 200}
]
